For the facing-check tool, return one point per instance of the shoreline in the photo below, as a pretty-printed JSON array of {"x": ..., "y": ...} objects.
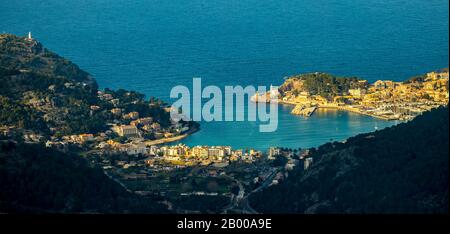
[
  {"x": 194, "y": 130},
  {"x": 163, "y": 141},
  {"x": 343, "y": 108},
  {"x": 171, "y": 139}
]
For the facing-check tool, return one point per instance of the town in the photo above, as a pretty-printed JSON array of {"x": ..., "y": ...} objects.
[
  {"x": 387, "y": 100},
  {"x": 206, "y": 176}
]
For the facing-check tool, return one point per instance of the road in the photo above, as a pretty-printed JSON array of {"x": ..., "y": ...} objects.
[{"x": 117, "y": 181}]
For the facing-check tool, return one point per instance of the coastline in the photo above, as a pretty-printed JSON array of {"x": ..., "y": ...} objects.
[
  {"x": 356, "y": 110},
  {"x": 343, "y": 108},
  {"x": 171, "y": 139}
]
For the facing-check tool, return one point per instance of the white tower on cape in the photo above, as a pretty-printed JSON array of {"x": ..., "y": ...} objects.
[
  {"x": 273, "y": 91},
  {"x": 29, "y": 36}
]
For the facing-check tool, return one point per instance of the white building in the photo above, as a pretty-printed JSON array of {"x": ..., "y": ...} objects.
[{"x": 129, "y": 131}]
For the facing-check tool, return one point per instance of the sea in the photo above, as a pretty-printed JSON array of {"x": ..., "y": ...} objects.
[{"x": 152, "y": 46}]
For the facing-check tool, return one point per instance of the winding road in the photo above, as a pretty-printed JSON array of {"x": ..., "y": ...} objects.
[{"x": 240, "y": 203}]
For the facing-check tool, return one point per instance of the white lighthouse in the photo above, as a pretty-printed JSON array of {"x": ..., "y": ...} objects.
[
  {"x": 273, "y": 93},
  {"x": 29, "y": 36}
]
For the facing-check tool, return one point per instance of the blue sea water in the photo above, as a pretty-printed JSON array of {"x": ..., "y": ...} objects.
[{"x": 151, "y": 46}]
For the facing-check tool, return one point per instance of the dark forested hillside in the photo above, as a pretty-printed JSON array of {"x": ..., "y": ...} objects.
[
  {"x": 34, "y": 179},
  {"x": 402, "y": 169}
]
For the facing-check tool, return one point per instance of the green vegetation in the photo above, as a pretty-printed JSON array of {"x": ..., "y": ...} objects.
[
  {"x": 19, "y": 54},
  {"x": 15, "y": 113},
  {"x": 415, "y": 79},
  {"x": 49, "y": 95},
  {"x": 45, "y": 99},
  {"x": 279, "y": 161},
  {"x": 326, "y": 85},
  {"x": 131, "y": 101},
  {"x": 399, "y": 169},
  {"x": 176, "y": 182},
  {"x": 402, "y": 169}
]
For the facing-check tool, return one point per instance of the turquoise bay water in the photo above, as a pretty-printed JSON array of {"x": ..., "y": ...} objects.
[
  {"x": 152, "y": 46},
  {"x": 293, "y": 131}
]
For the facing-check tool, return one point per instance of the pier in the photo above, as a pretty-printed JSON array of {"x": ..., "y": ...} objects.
[{"x": 303, "y": 110}]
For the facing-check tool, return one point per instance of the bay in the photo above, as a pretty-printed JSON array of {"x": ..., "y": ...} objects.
[{"x": 151, "y": 46}]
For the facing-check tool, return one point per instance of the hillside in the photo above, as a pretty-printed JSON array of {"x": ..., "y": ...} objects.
[
  {"x": 43, "y": 92},
  {"x": 45, "y": 98},
  {"x": 34, "y": 179},
  {"x": 47, "y": 95},
  {"x": 323, "y": 84},
  {"x": 21, "y": 54},
  {"x": 402, "y": 169}
]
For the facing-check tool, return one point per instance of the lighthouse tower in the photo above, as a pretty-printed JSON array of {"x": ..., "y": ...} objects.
[{"x": 29, "y": 36}]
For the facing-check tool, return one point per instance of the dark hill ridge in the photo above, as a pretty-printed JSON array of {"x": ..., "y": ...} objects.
[
  {"x": 401, "y": 169},
  {"x": 19, "y": 53}
]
